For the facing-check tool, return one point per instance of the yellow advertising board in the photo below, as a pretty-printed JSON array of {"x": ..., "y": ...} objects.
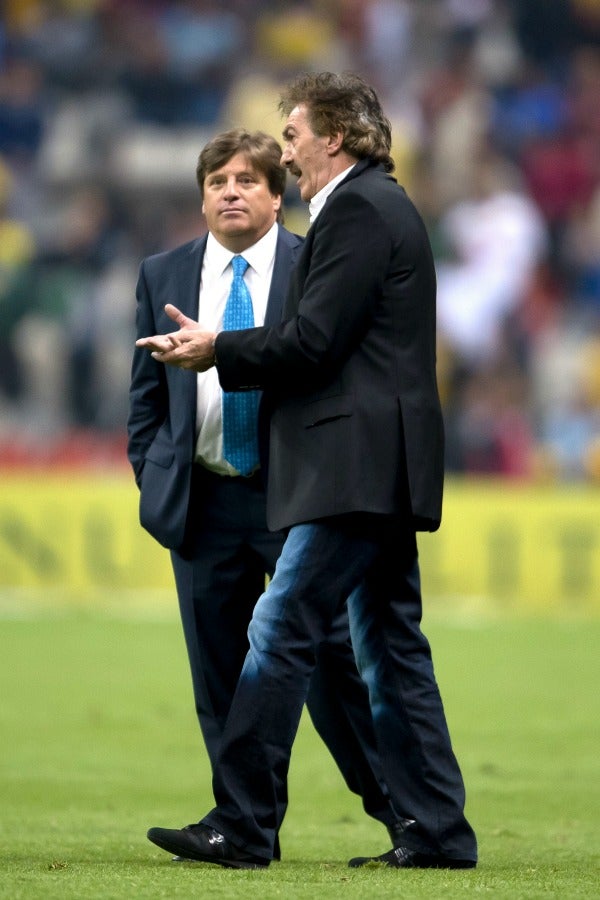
[
  {"x": 517, "y": 547},
  {"x": 74, "y": 537}
]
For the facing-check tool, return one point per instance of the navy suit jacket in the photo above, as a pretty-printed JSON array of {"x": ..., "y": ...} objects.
[
  {"x": 350, "y": 372},
  {"x": 162, "y": 408}
]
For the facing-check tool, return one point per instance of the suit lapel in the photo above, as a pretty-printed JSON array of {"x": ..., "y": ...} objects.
[
  {"x": 284, "y": 259},
  {"x": 188, "y": 284},
  {"x": 189, "y": 279}
]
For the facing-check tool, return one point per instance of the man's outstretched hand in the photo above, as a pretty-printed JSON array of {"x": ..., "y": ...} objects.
[{"x": 188, "y": 348}]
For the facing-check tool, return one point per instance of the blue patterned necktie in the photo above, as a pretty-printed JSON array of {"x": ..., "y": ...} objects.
[{"x": 240, "y": 408}]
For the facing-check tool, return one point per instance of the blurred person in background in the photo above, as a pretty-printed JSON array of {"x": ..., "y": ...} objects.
[
  {"x": 21, "y": 109},
  {"x": 17, "y": 252},
  {"x": 72, "y": 272},
  {"x": 211, "y": 515},
  {"x": 495, "y": 243},
  {"x": 177, "y": 59},
  {"x": 496, "y": 239},
  {"x": 355, "y": 470},
  {"x": 567, "y": 369}
]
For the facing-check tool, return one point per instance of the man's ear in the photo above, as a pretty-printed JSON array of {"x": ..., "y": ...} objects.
[{"x": 334, "y": 143}]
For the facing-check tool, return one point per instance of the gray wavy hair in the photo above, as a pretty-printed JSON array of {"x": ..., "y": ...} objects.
[{"x": 343, "y": 103}]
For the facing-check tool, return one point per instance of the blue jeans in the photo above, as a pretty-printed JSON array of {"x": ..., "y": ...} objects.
[{"x": 322, "y": 565}]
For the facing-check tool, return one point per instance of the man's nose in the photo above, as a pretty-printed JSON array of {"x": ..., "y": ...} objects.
[
  {"x": 231, "y": 187},
  {"x": 286, "y": 157}
]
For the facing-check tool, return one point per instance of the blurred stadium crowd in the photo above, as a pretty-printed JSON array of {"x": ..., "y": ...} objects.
[{"x": 495, "y": 106}]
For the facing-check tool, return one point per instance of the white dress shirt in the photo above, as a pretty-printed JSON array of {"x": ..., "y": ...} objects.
[
  {"x": 318, "y": 201},
  {"x": 215, "y": 284}
]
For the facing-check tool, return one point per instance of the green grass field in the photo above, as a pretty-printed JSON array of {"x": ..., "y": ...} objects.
[{"x": 98, "y": 741}]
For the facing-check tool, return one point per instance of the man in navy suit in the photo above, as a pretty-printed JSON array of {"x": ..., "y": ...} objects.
[
  {"x": 355, "y": 470},
  {"x": 192, "y": 499}
]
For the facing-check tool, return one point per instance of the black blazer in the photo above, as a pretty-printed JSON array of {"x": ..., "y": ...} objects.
[
  {"x": 162, "y": 399},
  {"x": 350, "y": 373}
]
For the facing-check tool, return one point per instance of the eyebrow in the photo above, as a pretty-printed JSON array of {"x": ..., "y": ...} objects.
[{"x": 246, "y": 173}]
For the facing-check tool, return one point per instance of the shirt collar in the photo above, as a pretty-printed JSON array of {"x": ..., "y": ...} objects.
[
  {"x": 259, "y": 256},
  {"x": 318, "y": 201}
]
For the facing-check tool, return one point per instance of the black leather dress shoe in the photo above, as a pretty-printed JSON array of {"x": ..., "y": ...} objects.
[
  {"x": 203, "y": 844},
  {"x": 276, "y": 854},
  {"x": 405, "y": 858}
]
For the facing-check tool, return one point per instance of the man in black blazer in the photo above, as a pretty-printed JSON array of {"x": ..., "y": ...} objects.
[
  {"x": 192, "y": 500},
  {"x": 355, "y": 470}
]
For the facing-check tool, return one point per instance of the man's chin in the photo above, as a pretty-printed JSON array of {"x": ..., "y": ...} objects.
[{"x": 234, "y": 226}]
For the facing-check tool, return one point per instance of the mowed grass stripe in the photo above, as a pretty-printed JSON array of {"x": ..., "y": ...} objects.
[{"x": 98, "y": 741}]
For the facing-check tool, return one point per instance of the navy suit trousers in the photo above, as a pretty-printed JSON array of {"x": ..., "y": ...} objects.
[{"x": 220, "y": 574}]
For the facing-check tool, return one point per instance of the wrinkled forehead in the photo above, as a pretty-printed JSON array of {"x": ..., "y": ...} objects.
[{"x": 236, "y": 164}]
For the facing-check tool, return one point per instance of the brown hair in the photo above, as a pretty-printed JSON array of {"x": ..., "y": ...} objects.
[
  {"x": 343, "y": 103},
  {"x": 261, "y": 150}
]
